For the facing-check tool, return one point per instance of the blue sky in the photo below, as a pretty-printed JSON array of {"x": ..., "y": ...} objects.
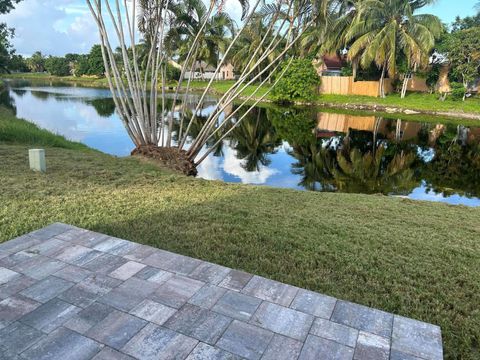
[
  {"x": 56, "y": 27},
  {"x": 447, "y": 10}
]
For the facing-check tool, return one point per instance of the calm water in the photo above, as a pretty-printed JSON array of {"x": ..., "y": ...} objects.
[{"x": 300, "y": 148}]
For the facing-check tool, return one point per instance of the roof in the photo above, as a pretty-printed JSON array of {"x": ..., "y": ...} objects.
[{"x": 332, "y": 62}]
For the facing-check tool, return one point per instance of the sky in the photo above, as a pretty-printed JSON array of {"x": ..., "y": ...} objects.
[{"x": 57, "y": 27}]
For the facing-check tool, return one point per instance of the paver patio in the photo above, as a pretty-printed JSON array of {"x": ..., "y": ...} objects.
[{"x": 70, "y": 293}]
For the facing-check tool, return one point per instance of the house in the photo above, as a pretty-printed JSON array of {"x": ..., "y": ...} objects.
[
  {"x": 330, "y": 65},
  {"x": 205, "y": 71}
]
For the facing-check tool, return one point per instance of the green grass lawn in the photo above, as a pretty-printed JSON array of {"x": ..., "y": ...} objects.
[
  {"x": 413, "y": 101},
  {"x": 417, "y": 259}
]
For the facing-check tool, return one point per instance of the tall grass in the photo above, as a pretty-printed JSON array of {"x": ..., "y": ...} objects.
[{"x": 18, "y": 131}]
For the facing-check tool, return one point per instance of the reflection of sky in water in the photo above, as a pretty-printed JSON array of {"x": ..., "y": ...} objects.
[{"x": 67, "y": 111}]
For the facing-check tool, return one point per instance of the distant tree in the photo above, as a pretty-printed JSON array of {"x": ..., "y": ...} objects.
[
  {"x": 36, "y": 62},
  {"x": 72, "y": 58},
  {"x": 95, "y": 61},
  {"x": 7, "y": 5},
  {"x": 463, "y": 52},
  {"x": 6, "y": 34},
  {"x": 58, "y": 66},
  {"x": 81, "y": 66},
  {"x": 18, "y": 64},
  {"x": 6, "y": 48}
]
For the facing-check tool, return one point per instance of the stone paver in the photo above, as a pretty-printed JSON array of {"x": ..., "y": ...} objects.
[
  {"x": 50, "y": 315},
  {"x": 158, "y": 343},
  {"x": 116, "y": 329},
  {"x": 236, "y": 305},
  {"x": 245, "y": 340},
  {"x": 417, "y": 338},
  {"x": 63, "y": 344},
  {"x": 282, "y": 320},
  {"x": 363, "y": 318},
  {"x": 199, "y": 323},
  {"x": 70, "y": 293},
  {"x": 270, "y": 290},
  {"x": 314, "y": 303}
]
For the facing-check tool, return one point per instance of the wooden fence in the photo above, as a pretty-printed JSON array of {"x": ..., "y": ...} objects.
[{"x": 344, "y": 85}]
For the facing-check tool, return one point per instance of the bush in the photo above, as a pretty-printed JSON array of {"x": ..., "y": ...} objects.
[
  {"x": 57, "y": 66},
  {"x": 298, "y": 83},
  {"x": 457, "y": 91}
]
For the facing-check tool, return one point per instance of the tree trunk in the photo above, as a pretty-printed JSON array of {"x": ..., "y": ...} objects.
[
  {"x": 405, "y": 85},
  {"x": 382, "y": 83}
]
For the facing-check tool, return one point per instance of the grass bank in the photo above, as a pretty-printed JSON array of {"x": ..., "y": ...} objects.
[
  {"x": 417, "y": 259},
  {"x": 420, "y": 102}
]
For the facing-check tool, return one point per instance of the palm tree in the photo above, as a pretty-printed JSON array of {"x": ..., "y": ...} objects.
[
  {"x": 214, "y": 39},
  {"x": 382, "y": 32},
  {"x": 254, "y": 139},
  {"x": 251, "y": 44}
]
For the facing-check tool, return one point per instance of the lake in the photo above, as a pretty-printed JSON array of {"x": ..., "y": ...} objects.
[{"x": 301, "y": 148}]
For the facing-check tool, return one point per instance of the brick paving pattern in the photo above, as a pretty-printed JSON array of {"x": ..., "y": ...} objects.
[{"x": 70, "y": 293}]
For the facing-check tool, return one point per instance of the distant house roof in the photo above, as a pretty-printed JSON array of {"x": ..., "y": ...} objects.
[
  {"x": 203, "y": 66},
  {"x": 332, "y": 62}
]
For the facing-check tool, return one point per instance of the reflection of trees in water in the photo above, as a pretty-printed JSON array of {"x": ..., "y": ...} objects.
[
  {"x": 19, "y": 92},
  {"x": 41, "y": 95},
  {"x": 7, "y": 101},
  {"x": 254, "y": 139},
  {"x": 455, "y": 168},
  {"x": 359, "y": 161},
  {"x": 105, "y": 107}
]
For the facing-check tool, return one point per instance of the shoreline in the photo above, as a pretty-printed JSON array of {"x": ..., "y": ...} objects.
[{"x": 340, "y": 102}]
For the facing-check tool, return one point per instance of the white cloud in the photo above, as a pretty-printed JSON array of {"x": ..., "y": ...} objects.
[
  {"x": 234, "y": 166},
  {"x": 53, "y": 27}
]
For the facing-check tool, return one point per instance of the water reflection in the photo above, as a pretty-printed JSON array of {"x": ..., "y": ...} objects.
[{"x": 286, "y": 147}]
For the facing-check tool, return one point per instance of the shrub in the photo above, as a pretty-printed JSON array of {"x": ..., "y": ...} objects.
[
  {"x": 298, "y": 83},
  {"x": 457, "y": 91}
]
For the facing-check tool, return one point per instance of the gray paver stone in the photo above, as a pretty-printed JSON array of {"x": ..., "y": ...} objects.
[
  {"x": 47, "y": 289},
  {"x": 111, "y": 354},
  {"x": 15, "y": 307},
  {"x": 127, "y": 270},
  {"x": 282, "y": 348},
  {"x": 199, "y": 323},
  {"x": 282, "y": 320},
  {"x": 89, "y": 317},
  {"x": 363, "y": 318},
  {"x": 209, "y": 273},
  {"x": 207, "y": 352},
  {"x": 236, "y": 280},
  {"x": 237, "y": 305},
  {"x": 105, "y": 263},
  {"x": 176, "y": 291},
  {"x": 116, "y": 329},
  {"x": 50, "y": 315},
  {"x": 317, "y": 348},
  {"x": 158, "y": 343},
  {"x": 63, "y": 344},
  {"x": 152, "y": 311},
  {"x": 270, "y": 290},
  {"x": 207, "y": 296},
  {"x": 417, "y": 338},
  {"x": 372, "y": 347},
  {"x": 17, "y": 337},
  {"x": 314, "y": 303},
  {"x": 245, "y": 340},
  {"x": 89, "y": 290},
  {"x": 333, "y": 331},
  {"x": 129, "y": 294}
]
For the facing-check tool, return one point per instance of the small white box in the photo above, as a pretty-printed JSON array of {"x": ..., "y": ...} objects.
[{"x": 37, "y": 160}]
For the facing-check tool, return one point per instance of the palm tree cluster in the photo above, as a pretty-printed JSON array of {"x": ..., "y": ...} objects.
[
  {"x": 385, "y": 33},
  {"x": 189, "y": 31}
]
